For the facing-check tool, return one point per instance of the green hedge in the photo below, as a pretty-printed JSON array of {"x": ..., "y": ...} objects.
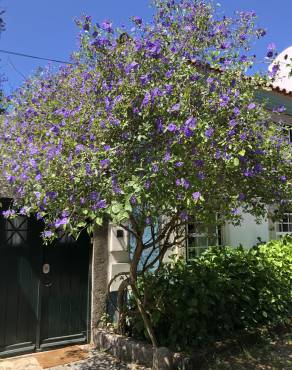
[{"x": 223, "y": 292}]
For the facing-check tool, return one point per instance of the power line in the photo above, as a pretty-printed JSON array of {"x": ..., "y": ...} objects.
[{"x": 33, "y": 57}]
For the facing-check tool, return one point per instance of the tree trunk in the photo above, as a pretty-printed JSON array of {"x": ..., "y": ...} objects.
[
  {"x": 121, "y": 301},
  {"x": 145, "y": 317}
]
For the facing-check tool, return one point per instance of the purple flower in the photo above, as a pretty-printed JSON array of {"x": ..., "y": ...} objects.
[
  {"x": 23, "y": 211},
  {"x": 175, "y": 108},
  {"x": 280, "y": 109},
  {"x": 167, "y": 156},
  {"x": 101, "y": 204},
  {"x": 209, "y": 132},
  {"x": 147, "y": 184},
  {"x": 52, "y": 194},
  {"x": 171, "y": 127},
  {"x": 133, "y": 200},
  {"x": 153, "y": 48},
  {"x": 147, "y": 99},
  {"x": 201, "y": 176},
  {"x": 251, "y": 106},
  {"x": 232, "y": 123},
  {"x": 183, "y": 216},
  {"x": 145, "y": 79},
  {"x": 94, "y": 195},
  {"x": 179, "y": 164},
  {"x": 148, "y": 220},
  {"x": 168, "y": 89},
  {"x": 217, "y": 154},
  {"x": 138, "y": 20},
  {"x": 270, "y": 50},
  {"x": 283, "y": 178},
  {"x": 261, "y": 32},
  {"x": 185, "y": 183},
  {"x": 11, "y": 179},
  {"x": 159, "y": 125},
  {"x": 155, "y": 168},
  {"x": 104, "y": 163},
  {"x": 107, "y": 26},
  {"x": 224, "y": 100},
  {"x": 47, "y": 234},
  {"x": 133, "y": 66},
  {"x": 241, "y": 197},
  {"x": 169, "y": 73},
  {"x": 61, "y": 221},
  {"x": 272, "y": 73},
  {"x": 38, "y": 177},
  {"x": 225, "y": 45},
  {"x": 191, "y": 122},
  {"x": 39, "y": 216},
  {"x": 243, "y": 136},
  {"x": 248, "y": 172},
  {"x": 196, "y": 195},
  {"x": 8, "y": 213},
  {"x": 236, "y": 111},
  {"x": 195, "y": 77}
]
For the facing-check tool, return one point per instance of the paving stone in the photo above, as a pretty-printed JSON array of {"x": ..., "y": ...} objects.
[{"x": 23, "y": 363}]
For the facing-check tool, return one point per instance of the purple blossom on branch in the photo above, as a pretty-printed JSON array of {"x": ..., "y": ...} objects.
[
  {"x": 107, "y": 26},
  {"x": 196, "y": 195},
  {"x": 209, "y": 132},
  {"x": 251, "y": 106},
  {"x": 172, "y": 127}
]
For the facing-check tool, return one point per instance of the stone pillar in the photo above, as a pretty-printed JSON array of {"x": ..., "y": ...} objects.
[{"x": 99, "y": 267}]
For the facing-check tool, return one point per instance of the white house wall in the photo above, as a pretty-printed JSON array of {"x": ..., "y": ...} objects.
[
  {"x": 118, "y": 254},
  {"x": 247, "y": 233}
]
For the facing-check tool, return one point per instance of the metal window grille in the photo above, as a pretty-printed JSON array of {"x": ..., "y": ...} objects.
[{"x": 15, "y": 231}]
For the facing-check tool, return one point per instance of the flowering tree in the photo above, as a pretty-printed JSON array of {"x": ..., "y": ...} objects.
[{"x": 157, "y": 121}]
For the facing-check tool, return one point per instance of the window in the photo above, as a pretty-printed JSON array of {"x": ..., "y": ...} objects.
[
  {"x": 201, "y": 237},
  {"x": 288, "y": 133},
  {"x": 15, "y": 231},
  {"x": 284, "y": 226}
]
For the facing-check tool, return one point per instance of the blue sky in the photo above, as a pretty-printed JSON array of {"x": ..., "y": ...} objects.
[{"x": 46, "y": 27}]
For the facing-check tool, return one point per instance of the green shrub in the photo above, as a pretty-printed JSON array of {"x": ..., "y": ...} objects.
[{"x": 225, "y": 291}]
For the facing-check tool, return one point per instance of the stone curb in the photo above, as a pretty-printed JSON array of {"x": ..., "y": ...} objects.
[{"x": 133, "y": 351}]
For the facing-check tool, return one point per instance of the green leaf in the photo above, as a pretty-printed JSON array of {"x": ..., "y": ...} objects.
[
  {"x": 98, "y": 221},
  {"x": 236, "y": 162}
]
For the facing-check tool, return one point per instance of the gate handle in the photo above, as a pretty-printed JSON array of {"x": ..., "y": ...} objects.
[
  {"x": 48, "y": 284},
  {"x": 46, "y": 268}
]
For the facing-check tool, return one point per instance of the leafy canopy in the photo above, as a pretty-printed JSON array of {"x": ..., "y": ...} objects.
[{"x": 160, "y": 118}]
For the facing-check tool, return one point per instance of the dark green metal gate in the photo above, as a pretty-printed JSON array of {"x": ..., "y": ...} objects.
[{"x": 44, "y": 290}]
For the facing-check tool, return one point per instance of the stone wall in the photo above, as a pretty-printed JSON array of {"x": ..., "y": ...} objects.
[
  {"x": 133, "y": 351},
  {"x": 99, "y": 274}
]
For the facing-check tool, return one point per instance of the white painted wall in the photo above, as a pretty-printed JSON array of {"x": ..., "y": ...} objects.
[
  {"x": 118, "y": 255},
  {"x": 247, "y": 233}
]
